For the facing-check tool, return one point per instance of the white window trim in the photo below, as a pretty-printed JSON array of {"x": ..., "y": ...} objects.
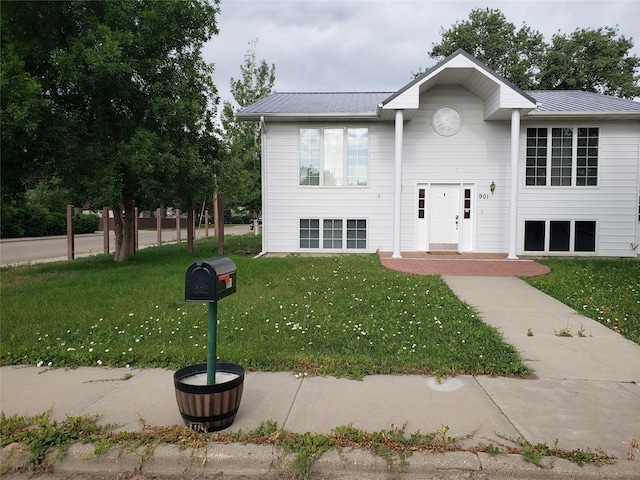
[
  {"x": 344, "y": 249},
  {"x": 345, "y": 158},
  {"x": 572, "y": 237},
  {"x": 574, "y": 157}
]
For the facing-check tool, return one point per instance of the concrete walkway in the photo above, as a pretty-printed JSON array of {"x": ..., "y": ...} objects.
[{"x": 585, "y": 394}]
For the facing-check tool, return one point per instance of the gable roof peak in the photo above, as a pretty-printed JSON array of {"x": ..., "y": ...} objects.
[{"x": 462, "y": 69}]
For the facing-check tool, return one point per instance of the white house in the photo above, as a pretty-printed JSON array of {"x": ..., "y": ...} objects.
[{"x": 460, "y": 159}]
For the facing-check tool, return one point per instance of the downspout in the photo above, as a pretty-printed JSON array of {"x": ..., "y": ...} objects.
[
  {"x": 513, "y": 196},
  {"x": 263, "y": 176},
  {"x": 397, "y": 190}
]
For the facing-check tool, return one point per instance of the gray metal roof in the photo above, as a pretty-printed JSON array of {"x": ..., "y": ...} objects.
[
  {"x": 365, "y": 104},
  {"x": 349, "y": 103},
  {"x": 574, "y": 101}
]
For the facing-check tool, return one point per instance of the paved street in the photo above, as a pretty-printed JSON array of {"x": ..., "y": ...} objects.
[{"x": 49, "y": 249}]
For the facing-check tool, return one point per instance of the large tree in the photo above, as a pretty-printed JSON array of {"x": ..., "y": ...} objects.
[
  {"x": 129, "y": 99},
  {"x": 239, "y": 175},
  {"x": 592, "y": 60},
  {"x": 513, "y": 53}
]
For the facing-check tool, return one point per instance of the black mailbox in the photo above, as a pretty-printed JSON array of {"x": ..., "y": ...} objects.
[{"x": 210, "y": 280}]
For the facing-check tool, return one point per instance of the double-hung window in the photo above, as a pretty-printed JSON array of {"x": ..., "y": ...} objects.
[
  {"x": 334, "y": 157},
  {"x": 562, "y": 156},
  {"x": 333, "y": 234}
]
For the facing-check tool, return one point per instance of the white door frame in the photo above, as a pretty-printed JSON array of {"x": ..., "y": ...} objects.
[{"x": 464, "y": 207}]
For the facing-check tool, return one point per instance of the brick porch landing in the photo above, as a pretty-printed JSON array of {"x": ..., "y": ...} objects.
[{"x": 463, "y": 264}]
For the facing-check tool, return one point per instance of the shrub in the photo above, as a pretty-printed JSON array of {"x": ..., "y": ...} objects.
[
  {"x": 37, "y": 221},
  {"x": 85, "y": 223},
  {"x": 10, "y": 226}
]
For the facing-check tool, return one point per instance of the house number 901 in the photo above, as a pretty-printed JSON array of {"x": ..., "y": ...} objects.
[{"x": 483, "y": 196}]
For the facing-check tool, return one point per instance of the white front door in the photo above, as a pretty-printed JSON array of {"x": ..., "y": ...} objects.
[{"x": 444, "y": 218}]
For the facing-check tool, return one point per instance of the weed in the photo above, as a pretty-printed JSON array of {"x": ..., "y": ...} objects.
[
  {"x": 565, "y": 332},
  {"x": 307, "y": 449},
  {"x": 529, "y": 333},
  {"x": 535, "y": 452},
  {"x": 39, "y": 434},
  {"x": 493, "y": 450},
  {"x": 581, "y": 332},
  {"x": 633, "y": 447},
  {"x": 393, "y": 445}
]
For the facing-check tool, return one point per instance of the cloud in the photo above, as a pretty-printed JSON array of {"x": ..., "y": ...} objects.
[{"x": 369, "y": 45}]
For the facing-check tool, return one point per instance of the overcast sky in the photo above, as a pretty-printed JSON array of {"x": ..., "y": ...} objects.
[{"x": 375, "y": 45}]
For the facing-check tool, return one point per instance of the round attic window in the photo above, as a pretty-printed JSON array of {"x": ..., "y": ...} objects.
[{"x": 446, "y": 121}]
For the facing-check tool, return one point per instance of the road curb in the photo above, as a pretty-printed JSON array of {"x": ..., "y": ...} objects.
[{"x": 265, "y": 461}]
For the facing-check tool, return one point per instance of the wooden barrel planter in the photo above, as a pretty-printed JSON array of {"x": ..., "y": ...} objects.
[{"x": 213, "y": 407}]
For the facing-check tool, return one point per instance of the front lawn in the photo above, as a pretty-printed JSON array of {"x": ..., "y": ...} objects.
[
  {"x": 343, "y": 316},
  {"x": 606, "y": 290}
]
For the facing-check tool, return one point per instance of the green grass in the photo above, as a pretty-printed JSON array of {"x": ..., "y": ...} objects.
[
  {"x": 341, "y": 315},
  {"x": 606, "y": 290}
]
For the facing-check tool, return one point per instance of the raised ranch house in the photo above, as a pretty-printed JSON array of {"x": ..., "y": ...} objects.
[{"x": 458, "y": 160}]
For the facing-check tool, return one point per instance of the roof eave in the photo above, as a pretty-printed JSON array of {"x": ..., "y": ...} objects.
[
  {"x": 309, "y": 116},
  {"x": 612, "y": 114}
]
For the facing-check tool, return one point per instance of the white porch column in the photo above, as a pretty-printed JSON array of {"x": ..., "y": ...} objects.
[
  {"x": 397, "y": 191},
  {"x": 513, "y": 196}
]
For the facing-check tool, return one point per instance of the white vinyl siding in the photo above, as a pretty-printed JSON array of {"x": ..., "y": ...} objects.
[
  {"x": 477, "y": 155},
  {"x": 610, "y": 203},
  {"x": 286, "y": 201},
  {"x": 474, "y": 158}
]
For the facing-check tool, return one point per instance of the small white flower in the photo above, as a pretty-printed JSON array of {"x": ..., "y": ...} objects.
[{"x": 99, "y": 362}]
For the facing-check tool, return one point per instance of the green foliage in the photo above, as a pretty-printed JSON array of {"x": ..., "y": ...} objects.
[
  {"x": 126, "y": 95},
  {"x": 493, "y": 450},
  {"x": 23, "y": 112},
  {"x": 536, "y": 452},
  {"x": 85, "y": 223},
  {"x": 40, "y": 435},
  {"x": 514, "y": 54},
  {"x": 343, "y": 316},
  {"x": 239, "y": 174},
  {"x": 606, "y": 290},
  {"x": 10, "y": 218},
  {"x": 42, "y": 211},
  {"x": 593, "y": 60}
]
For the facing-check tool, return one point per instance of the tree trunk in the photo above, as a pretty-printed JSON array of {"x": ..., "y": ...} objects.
[{"x": 123, "y": 230}]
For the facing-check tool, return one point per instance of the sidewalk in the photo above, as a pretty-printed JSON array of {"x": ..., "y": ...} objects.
[{"x": 585, "y": 393}]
